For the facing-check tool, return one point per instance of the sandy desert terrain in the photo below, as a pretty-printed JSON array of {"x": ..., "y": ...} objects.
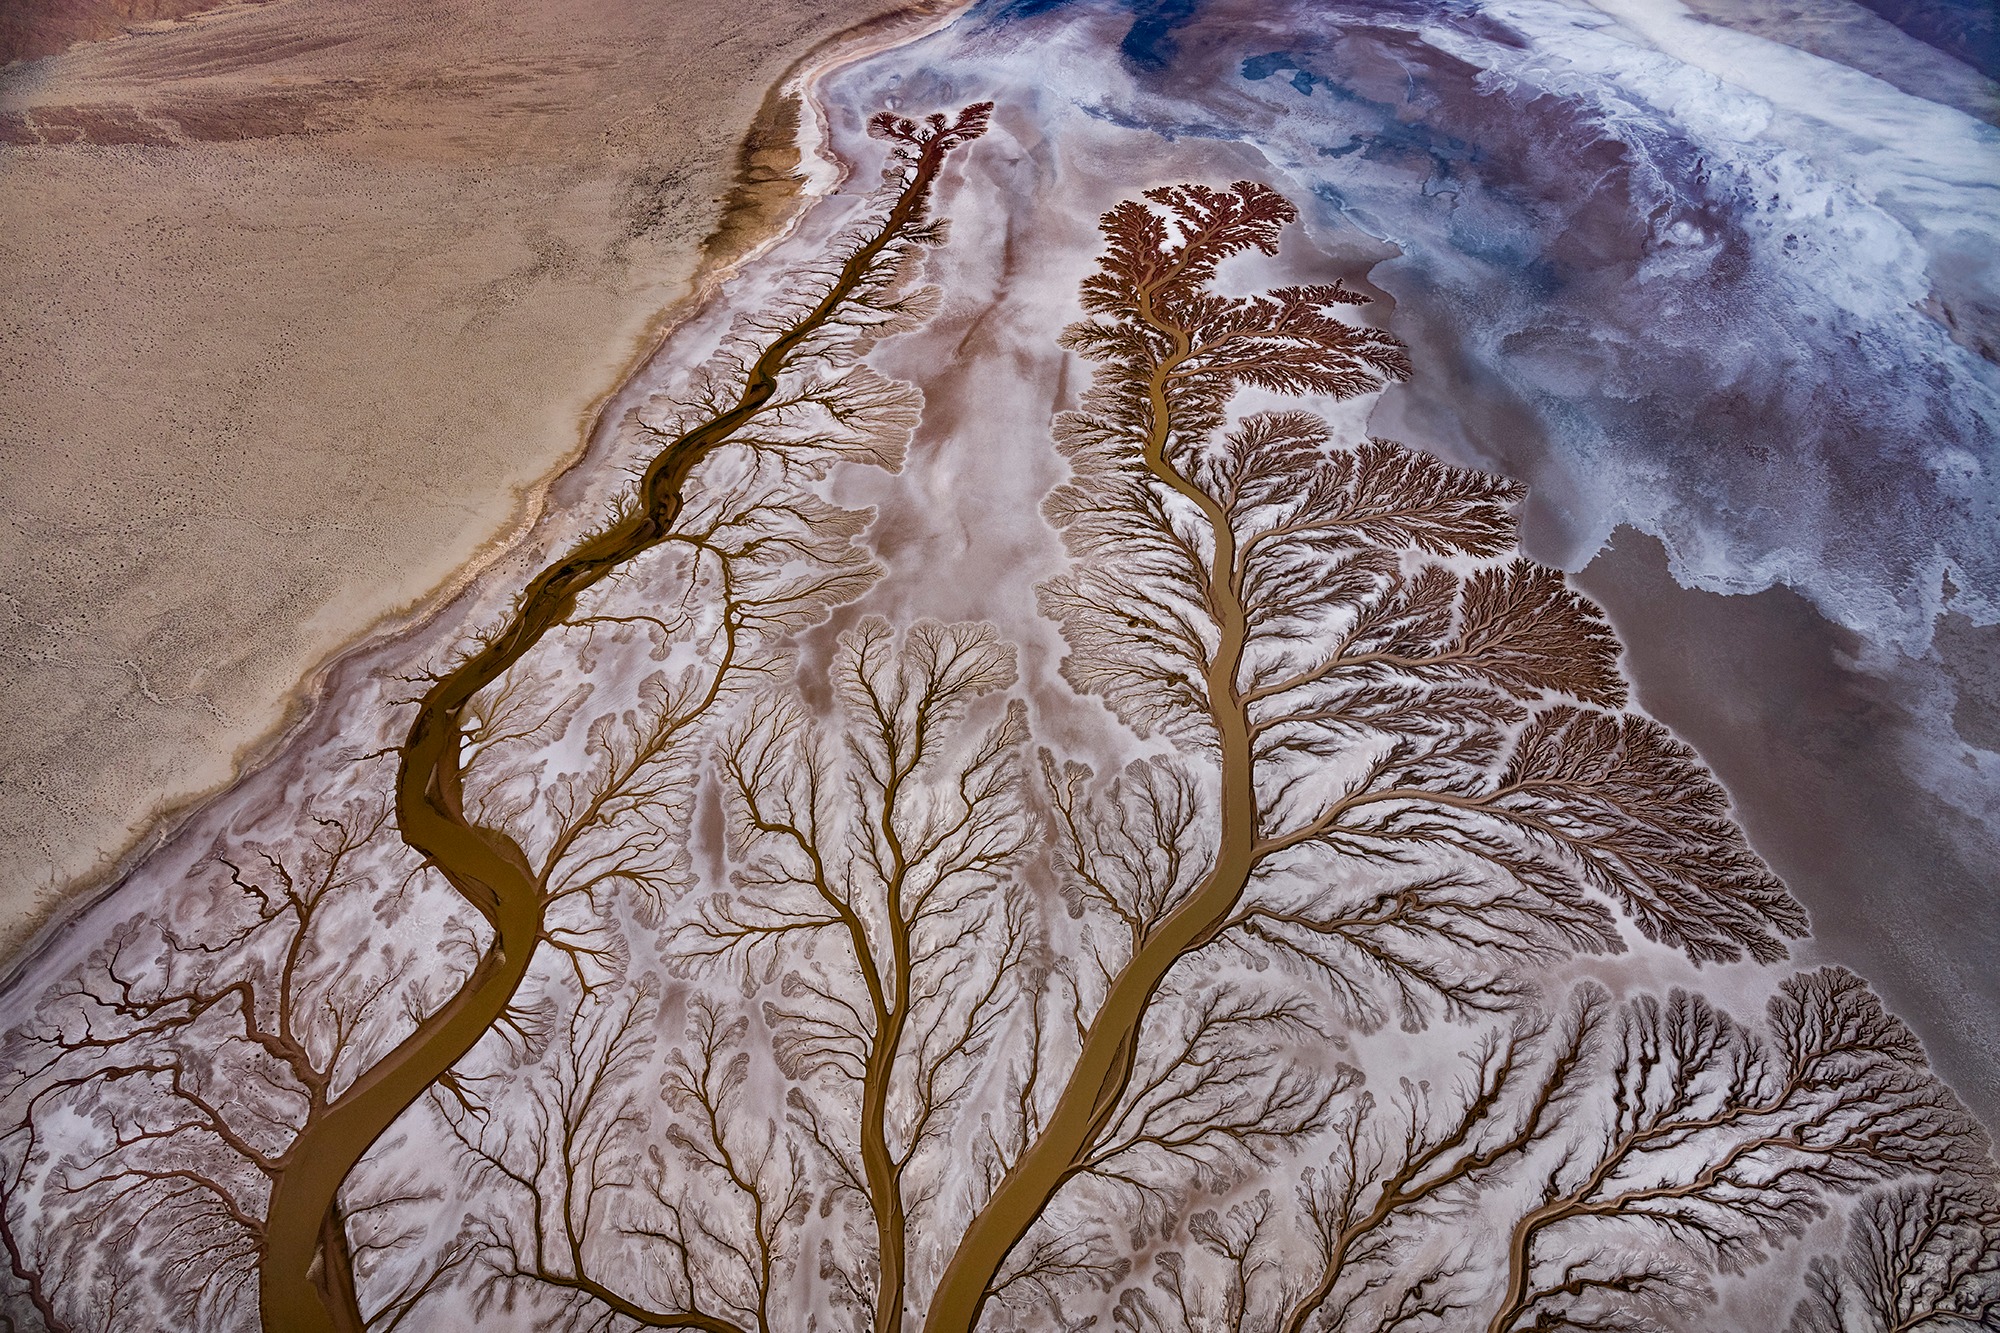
[{"x": 302, "y": 301}]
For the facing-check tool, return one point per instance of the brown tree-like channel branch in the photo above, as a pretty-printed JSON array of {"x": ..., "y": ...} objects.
[
  {"x": 1165, "y": 519},
  {"x": 1109, "y": 1046},
  {"x": 299, "y": 1292}
]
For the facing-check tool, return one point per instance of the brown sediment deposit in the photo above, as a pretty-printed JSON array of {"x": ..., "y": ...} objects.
[
  {"x": 31, "y": 29},
  {"x": 1809, "y": 744},
  {"x": 303, "y": 304}
]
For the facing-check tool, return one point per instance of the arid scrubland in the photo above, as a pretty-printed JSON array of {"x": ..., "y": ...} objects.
[{"x": 301, "y": 302}]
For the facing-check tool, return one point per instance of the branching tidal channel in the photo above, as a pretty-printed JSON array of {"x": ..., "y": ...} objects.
[{"x": 306, "y": 1276}]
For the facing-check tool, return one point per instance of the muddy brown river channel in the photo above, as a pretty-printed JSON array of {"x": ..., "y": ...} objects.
[{"x": 302, "y": 1288}]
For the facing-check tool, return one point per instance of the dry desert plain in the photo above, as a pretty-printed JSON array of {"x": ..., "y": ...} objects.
[{"x": 300, "y": 303}]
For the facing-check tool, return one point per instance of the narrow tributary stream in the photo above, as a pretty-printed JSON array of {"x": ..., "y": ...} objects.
[{"x": 306, "y": 1282}]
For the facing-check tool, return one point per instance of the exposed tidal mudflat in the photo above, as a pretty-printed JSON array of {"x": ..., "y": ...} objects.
[
  {"x": 1733, "y": 296},
  {"x": 1638, "y": 264}
]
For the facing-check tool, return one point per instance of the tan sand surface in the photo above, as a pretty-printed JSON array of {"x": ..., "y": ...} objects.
[{"x": 299, "y": 303}]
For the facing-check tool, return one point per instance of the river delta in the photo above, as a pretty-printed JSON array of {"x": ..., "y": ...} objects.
[{"x": 1044, "y": 766}]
